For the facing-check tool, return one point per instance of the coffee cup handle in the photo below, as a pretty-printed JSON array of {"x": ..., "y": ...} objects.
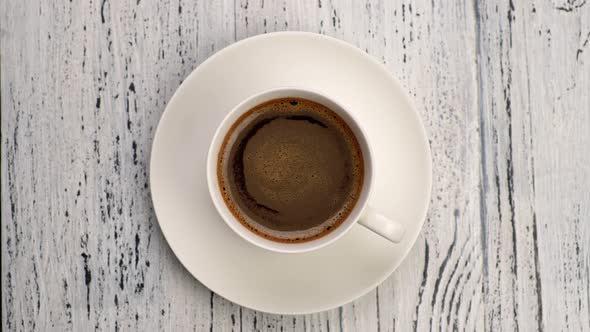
[{"x": 382, "y": 225}]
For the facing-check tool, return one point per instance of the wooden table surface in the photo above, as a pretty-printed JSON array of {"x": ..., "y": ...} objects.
[{"x": 503, "y": 88}]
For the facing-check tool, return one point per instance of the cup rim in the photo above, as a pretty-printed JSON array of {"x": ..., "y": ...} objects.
[{"x": 247, "y": 234}]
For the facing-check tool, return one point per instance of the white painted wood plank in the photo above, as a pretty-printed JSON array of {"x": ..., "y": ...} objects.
[{"x": 535, "y": 101}]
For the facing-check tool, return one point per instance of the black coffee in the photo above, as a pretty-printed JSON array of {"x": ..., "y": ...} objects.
[{"x": 290, "y": 170}]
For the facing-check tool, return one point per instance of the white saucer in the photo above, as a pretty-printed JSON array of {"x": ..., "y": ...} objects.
[{"x": 242, "y": 272}]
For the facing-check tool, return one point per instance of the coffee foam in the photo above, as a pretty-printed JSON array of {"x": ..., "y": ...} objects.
[{"x": 283, "y": 107}]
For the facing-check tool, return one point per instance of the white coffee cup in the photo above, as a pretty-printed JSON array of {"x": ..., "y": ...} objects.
[{"x": 362, "y": 213}]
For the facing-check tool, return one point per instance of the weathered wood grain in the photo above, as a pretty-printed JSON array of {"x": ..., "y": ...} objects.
[
  {"x": 535, "y": 103},
  {"x": 502, "y": 87}
]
